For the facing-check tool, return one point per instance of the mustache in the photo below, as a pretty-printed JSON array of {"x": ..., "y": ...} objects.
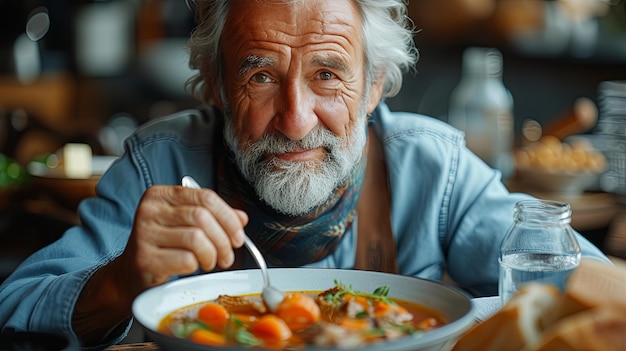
[{"x": 271, "y": 144}]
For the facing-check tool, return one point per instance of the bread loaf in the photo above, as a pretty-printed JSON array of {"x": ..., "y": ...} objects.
[
  {"x": 597, "y": 329},
  {"x": 595, "y": 283},
  {"x": 590, "y": 315},
  {"x": 518, "y": 323}
]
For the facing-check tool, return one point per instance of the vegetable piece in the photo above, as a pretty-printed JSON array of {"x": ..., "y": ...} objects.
[
  {"x": 363, "y": 302},
  {"x": 298, "y": 311},
  {"x": 382, "y": 308},
  {"x": 392, "y": 312},
  {"x": 270, "y": 328},
  {"x": 243, "y": 318},
  {"x": 340, "y": 291},
  {"x": 245, "y": 338},
  {"x": 427, "y": 323},
  {"x": 184, "y": 329},
  {"x": 214, "y": 315},
  {"x": 356, "y": 324},
  {"x": 207, "y": 337}
]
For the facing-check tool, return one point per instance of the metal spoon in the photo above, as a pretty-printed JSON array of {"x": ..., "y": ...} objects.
[{"x": 271, "y": 295}]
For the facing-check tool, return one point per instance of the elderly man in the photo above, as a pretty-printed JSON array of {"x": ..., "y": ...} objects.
[{"x": 296, "y": 146}]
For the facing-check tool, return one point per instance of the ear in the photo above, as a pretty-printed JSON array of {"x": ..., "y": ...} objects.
[{"x": 376, "y": 93}]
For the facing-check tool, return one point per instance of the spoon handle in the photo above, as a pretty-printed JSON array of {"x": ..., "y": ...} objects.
[
  {"x": 189, "y": 182},
  {"x": 258, "y": 257}
]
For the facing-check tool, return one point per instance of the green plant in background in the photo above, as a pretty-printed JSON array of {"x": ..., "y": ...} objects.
[{"x": 11, "y": 172}]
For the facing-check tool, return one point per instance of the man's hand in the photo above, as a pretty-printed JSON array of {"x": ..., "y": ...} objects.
[{"x": 176, "y": 231}]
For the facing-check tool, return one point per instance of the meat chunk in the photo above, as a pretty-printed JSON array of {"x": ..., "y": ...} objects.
[{"x": 241, "y": 304}]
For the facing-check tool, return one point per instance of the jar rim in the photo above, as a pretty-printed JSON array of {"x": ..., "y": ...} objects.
[{"x": 542, "y": 209}]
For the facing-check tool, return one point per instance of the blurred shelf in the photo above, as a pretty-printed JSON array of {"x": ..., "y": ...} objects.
[{"x": 590, "y": 211}]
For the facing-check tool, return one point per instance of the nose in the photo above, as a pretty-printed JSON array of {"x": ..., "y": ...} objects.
[{"x": 296, "y": 114}]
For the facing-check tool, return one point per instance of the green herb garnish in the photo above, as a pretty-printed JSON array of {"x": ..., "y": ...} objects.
[
  {"x": 246, "y": 338},
  {"x": 379, "y": 294},
  {"x": 184, "y": 329}
]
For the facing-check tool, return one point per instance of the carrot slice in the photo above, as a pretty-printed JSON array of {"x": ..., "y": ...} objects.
[
  {"x": 270, "y": 328},
  {"x": 214, "y": 315},
  {"x": 362, "y": 301},
  {"x": 207, "y": 337},
  {"x": 356, "y": 324},
  {"x": 382, "y": 308},
  {"x": 298, "y": 311}
]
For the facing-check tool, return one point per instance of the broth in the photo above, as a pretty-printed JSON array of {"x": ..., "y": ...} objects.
[{"x": 337, "y": 317}]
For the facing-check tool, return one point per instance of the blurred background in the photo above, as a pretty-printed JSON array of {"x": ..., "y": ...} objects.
[{"x": 86, "y": 73}]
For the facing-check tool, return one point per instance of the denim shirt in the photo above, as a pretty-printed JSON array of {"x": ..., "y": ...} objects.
[{"x": 449, "y": 211}]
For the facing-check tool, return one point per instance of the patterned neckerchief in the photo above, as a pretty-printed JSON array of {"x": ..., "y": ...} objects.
[{"x": 286, "y": 240}]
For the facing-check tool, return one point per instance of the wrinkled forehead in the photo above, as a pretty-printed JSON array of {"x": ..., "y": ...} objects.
[{"x": 293, "y": 21}]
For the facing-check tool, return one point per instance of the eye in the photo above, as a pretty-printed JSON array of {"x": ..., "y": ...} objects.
[
  {"x": 326, "y": 75},
  {"x": 260, "y": 78}
]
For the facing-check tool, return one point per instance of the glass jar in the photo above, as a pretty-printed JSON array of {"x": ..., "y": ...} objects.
[{"x": 540, "y": 246}]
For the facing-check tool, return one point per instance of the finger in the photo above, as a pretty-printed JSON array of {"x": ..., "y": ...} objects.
[
  {"x": 158, "y": 226},
  {"x": 228, "y": 218},
  {"x": 203, "y": 209},
  {"x": 200, "y": 234},
  {"x": 210, "y": 245},
  {"x": 194, "y": 241},
  {"x": 243, "y": 217},
  {"x": 176, "y": 261},
  {"x": 178, "y": 197},
  {"x": 213, "y": 229},
  {"x": 157, "y": 264}
]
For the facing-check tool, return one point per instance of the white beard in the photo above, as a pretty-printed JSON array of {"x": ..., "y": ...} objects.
[{"x": 296, "y": 187}]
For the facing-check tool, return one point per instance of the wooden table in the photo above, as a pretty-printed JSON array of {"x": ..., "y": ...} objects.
[{"x": 142, "y": 346}]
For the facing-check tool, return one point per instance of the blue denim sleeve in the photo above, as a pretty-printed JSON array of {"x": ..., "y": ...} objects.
[
  {"x": 450, "y": 210},
  {"x": 481, "y": 212},
  {"x": 41, "y": 293}
]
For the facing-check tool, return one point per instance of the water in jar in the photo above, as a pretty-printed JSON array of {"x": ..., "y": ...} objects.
[{"x": 519, "y": 268}]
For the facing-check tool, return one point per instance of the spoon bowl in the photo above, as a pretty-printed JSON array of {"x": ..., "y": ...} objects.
[{"x": 271, "y": 295}]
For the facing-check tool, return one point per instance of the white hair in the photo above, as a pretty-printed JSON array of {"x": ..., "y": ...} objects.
[{"x": 387, "y": 37}]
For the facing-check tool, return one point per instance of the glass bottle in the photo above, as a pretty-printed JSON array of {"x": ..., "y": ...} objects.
[
  {"x": 482, "y": 107},
  {"x": 539, "y": 246}
]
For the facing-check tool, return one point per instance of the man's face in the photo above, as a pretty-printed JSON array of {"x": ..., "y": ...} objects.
[{"x": 294, "y": 80}]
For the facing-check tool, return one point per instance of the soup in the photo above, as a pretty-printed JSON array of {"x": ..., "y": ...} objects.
[{"x": 337, "y": 317}]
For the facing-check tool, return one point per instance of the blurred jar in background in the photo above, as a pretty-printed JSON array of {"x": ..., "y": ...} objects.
[
  {"x": 611, "y": 129},
  {"x": 612, "y": 99},
  {"x": 553, "y": 28},
  {"x": 482, "y": 107},
  {"x": 104, "y": 32}
]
